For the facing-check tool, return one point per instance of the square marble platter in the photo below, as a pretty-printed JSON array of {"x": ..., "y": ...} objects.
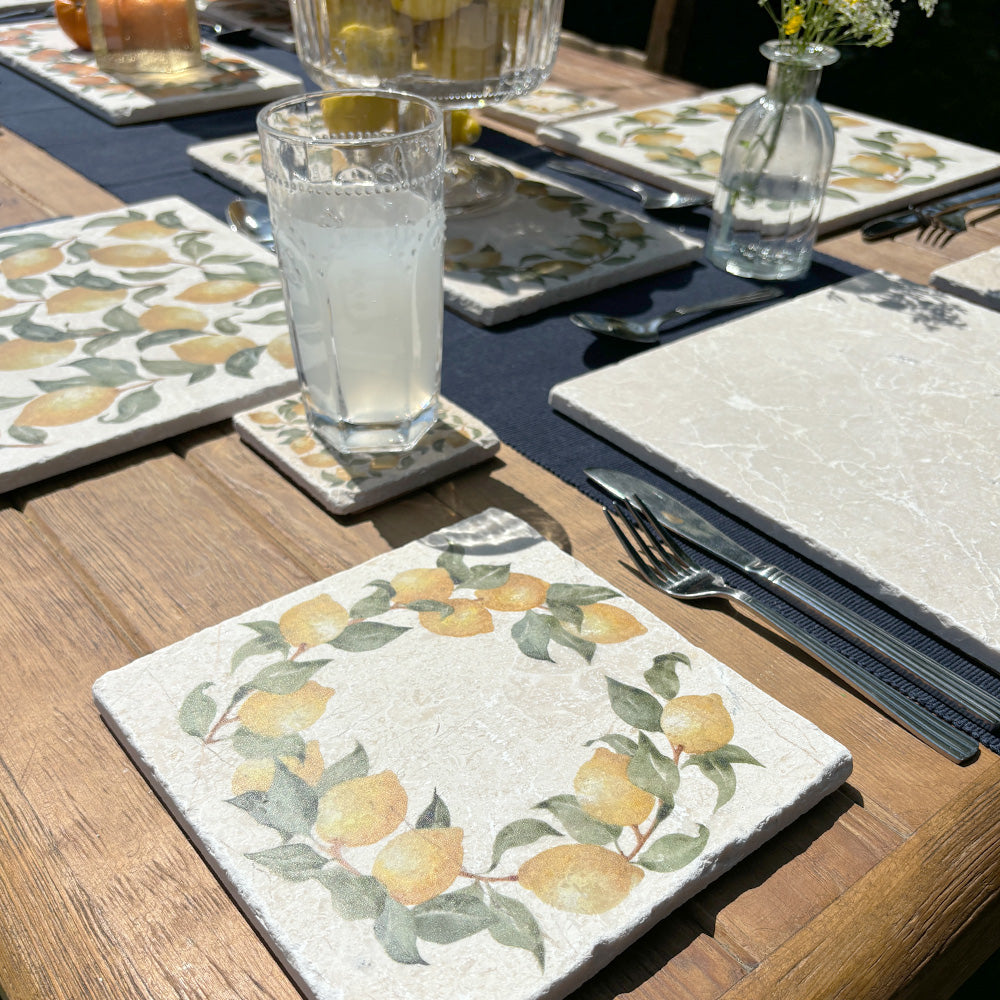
[
  {"x": 346, "y": 484},
  {"x": 268, "y": 20},
  {"x": 857, "y": 424},
  {"x": 548, "y": 104},
  {"x": 976, "y": 278},
  {"x": 40, "y": 50},
  {"x": 877, "y": 165},
  {"x": 125, "y": 327},
  {"x": 411, "y": 775},
  {"x": 548, "y": 244}
]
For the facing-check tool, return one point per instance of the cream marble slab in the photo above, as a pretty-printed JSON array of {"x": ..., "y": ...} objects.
[
  {"x": 548, "y": 104},
  {"x": 858, "y": 424},
  {"x": 976, "y": 278},
  {"x": 317, "y": 747},
  {"x": 346, "y": 484},
  {"x": 229, "y": 79},
  {"x": 129, "y": 326},
  {"x": 548, "y": 244},
  {"x": 877, "y": 165}
]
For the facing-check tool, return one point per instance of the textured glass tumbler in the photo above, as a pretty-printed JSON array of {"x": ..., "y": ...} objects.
[{"x": 355, "y": 188}]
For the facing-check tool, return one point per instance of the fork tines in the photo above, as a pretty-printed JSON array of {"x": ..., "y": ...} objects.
[{"x": 662, "y": 557}]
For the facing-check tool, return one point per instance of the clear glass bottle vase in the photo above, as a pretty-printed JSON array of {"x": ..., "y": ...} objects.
[{"x": 775, "y": 167}]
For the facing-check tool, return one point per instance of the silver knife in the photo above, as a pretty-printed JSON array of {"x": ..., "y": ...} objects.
[{"x": 674, "y": 516}]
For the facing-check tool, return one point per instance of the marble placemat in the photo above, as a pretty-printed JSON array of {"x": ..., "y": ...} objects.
[
  {"x": 466, "y": 767},
  {"x": 40, "y": 50},
  {"x": 347, "y": 484},
  {"x": 877, "y": 165},
  {"x": 548, "y": 244},
  {"x": 857, "y": 424},
  {"x": 268, "y": 20},
  {"x": 129, "y": 326},
  {"x": 976, "y": 278}
]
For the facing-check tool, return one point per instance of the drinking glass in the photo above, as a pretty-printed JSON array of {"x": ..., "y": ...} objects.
[{"x": 355, "y": 188}]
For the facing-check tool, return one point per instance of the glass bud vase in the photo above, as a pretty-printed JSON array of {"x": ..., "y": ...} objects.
[{"x": 775, "y": 167}]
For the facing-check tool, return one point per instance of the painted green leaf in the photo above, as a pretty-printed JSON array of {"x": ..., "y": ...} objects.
[
  {"x": 27, "y": 435},
  {"x": 169, "y": 219},
  {"x": 355, "y": 897},
  {"x": 86, "y": 279},
  {"x": 226, "y": 325},
  {"x": 107, "y": 221},
  {"x": 436, "y": 815},
  {"x": 451, "y": 917},
  {"x": 242, "y": 363},
  {"x": 653, "y": 771},
  {"x": 193, "y": 247},
  {"x": 9, "y": 402},
  {"x": 353, "y": 765},
  {"x": 571, "y": 640},
  {"x": 633, "y": 705},
  {"x": 674, "y": 851},
  {"x": 519, "y": 834},
  {"x": 582, "y": 827},
  {"x": 532, "y": 634},
  {"x": 169, "y": 368},
  {"x": 618, "y": 743},
  {"x": 255, "y": 270},
  {"x": 253, "y": 746},
  {"x": 133, "y": 405},
  {"x": 375, "y": 604},
  {"x": 484, "y": 577},
  {"x": 732, "y": 754},
  {"x": 360, "y": 637},
  {"x": 572, "y": 614},
  {"x": 145, "y": 294},
  {"x": 121, "y": 319},
  {"x": 286, "y": 676},
  {"x": 288, "y": 806},
  {"x": 279, "y": 318},
  {"x": 197, "y": 712},
  {"x": 662, "y": 675},
  {"x": 717, "y": 766},
  {"x": 578, "y": 593},
  {"x": 452, "y": 561},
  {"x": 98, "y": 344},
  {"x": 27, "y": 286},
  {"x": 24, "y": 241},
  {"x": 514, "y": 926},
  {"x": 36, "y": 331},
  {"x": 292, "y": 862},
  {"x": 50, "y": 385},
  {"x": 268, "y": 640},
  {"x": 444, "y": 610},
  {"x": 395, "y": 930},
  {"x": 163, "y": 337}
]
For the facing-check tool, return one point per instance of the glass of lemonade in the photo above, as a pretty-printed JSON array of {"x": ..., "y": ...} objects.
[{"x": 355, "y": 188}]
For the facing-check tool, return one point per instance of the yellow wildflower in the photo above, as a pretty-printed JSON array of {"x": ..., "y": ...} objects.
[{"x": 794, "y": 22}]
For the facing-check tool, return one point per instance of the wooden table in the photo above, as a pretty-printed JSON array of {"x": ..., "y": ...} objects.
[{"x": 889, "y": 888}]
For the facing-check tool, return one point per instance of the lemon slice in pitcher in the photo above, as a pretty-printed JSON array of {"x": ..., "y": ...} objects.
[
  {"x": 343, "y": 113},
  {"x": 428, "y": 10}
]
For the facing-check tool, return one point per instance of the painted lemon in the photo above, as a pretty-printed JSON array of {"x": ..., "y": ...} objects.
[
  {"x": 276, "y": 715},
  {"x": 130, "y": 255},
  {"x": 19, "y": 355},
  {"x": 218, "y": 290},
  {"x": 605, "y": 792},
  {"x": 66, "y": 406},
  {"x": 422, "y": 585},
  {"x": 25, "y": 263},
  {"x": 158, "y": 318},
  {"x": 605, "y": 623},
  {"x": 468, "y": 618},
  {"x": 519, "y": 593},
  {"x": 579, "y": 878},
  {"x": 258, "y": 775},
  {"x": 141, "y": 229},
  {"x": 420, "y": 864},
  {"x": 313, "y": 622},
  {"x": 697, "y": 723},
  {"x": 361, "y": 811},
  {"x": 211, "y": 348},
  {"x": 80, "y": 300}
]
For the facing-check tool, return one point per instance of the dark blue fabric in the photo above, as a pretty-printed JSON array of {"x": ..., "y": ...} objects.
[{"x": 502, "y": 374}]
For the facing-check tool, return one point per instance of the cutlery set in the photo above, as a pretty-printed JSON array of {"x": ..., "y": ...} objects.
[{"x": 643, "y": 517}]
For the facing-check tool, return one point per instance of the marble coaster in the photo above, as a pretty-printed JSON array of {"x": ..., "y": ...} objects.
[
  {"x": 346, "y": 484},
  {"x": 548, "y": 244},
  {"x": 877, "y": 165},
  {"x": 857, "y": 424},
  {"x": 467, "y": 767},
  {"x": 126, "y": 327},
  {"x": 975, "y": 278},
  {"x": 547, "y": 104},
  {"x": 40, "y": 50}
]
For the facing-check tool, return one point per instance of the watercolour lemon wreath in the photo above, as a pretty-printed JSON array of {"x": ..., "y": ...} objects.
[{"x": 418, "y": 887}]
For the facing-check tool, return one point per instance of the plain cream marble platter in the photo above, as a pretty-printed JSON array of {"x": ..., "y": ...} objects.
[
  {"x": 466, "y": 768},
  {"x": 857, "y": 424}
]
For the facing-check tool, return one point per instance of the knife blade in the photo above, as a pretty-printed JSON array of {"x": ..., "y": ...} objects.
[
  {"x": 902, "y": 222},
  {"x": 680, "y": 520}
]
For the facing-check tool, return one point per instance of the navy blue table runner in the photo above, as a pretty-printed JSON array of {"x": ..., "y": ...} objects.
[{"x": 502, "y": 374}]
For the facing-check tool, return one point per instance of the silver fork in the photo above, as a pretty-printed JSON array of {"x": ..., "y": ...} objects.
[
  {"x": 664, "y": 565},
  {"x": 943, "y": 225}
]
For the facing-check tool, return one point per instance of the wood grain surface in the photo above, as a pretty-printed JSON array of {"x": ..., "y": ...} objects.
[{"x": 889, "y": 888}]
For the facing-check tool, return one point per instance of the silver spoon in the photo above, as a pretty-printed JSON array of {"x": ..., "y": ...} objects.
[
  {"x": 250, "y": 217},
  {"x": 655, "y": 202},
  {"x": 645, "y": 331}
]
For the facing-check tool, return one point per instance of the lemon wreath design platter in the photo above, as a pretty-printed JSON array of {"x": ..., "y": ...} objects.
[{"x": 467, "y": 768}]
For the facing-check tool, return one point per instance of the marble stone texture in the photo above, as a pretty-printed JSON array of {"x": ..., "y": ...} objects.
[
  {"x": 547, "y": 244},
  {"x": 976, "y": 278},
  {"x": 483, "y": 745},
  {"x": 858, "y": 424},
  {"x": 346, "y": 484},
  {"x": 877, "y": 165}
]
